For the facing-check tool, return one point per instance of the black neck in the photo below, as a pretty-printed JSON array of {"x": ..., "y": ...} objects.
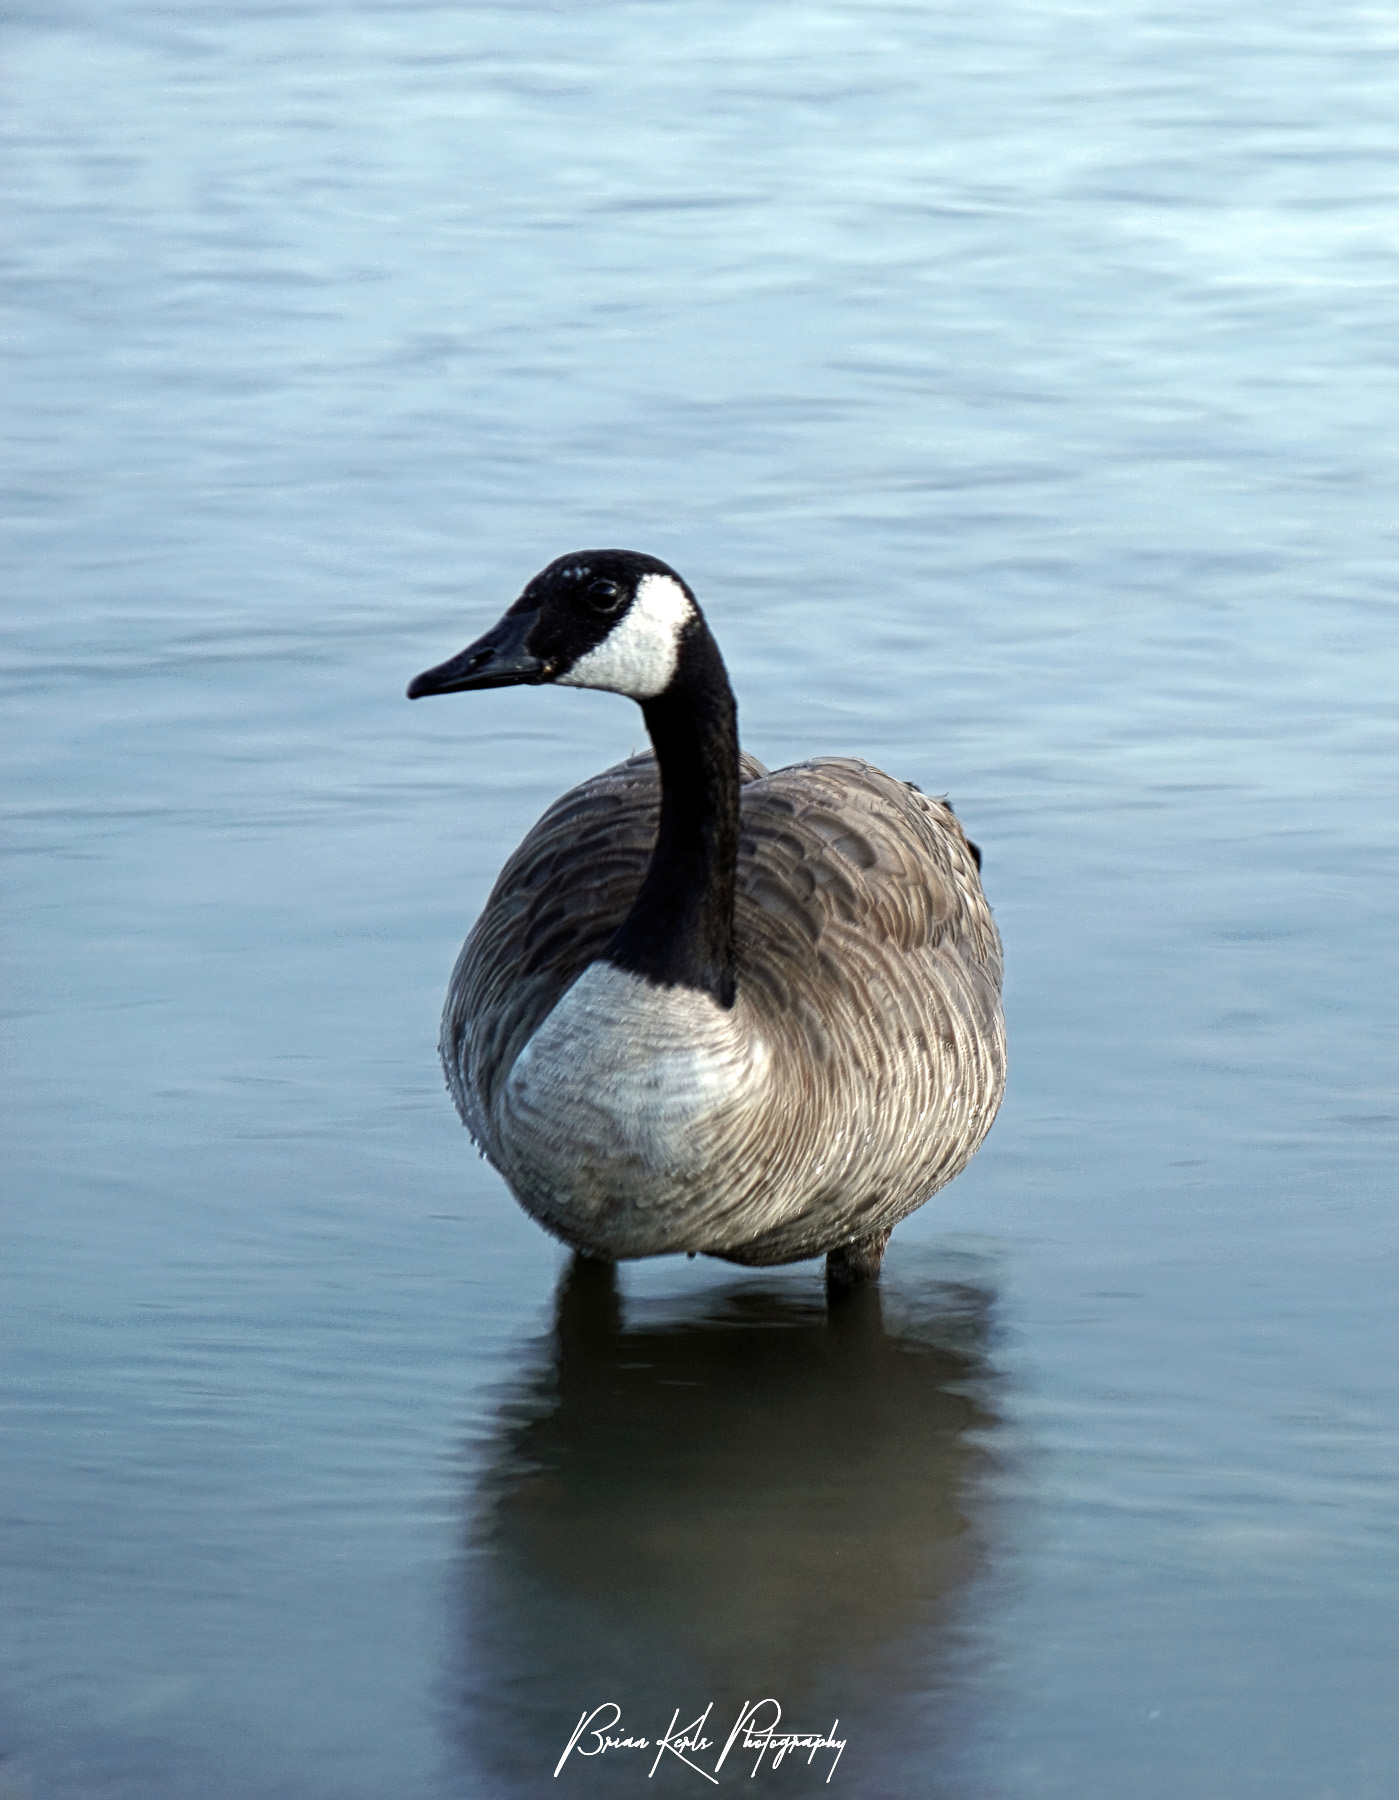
[{"x": 679, "y": 932}]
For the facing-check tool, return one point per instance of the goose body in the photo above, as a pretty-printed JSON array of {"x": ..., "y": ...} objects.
[{"x": 709, "y": 1008}]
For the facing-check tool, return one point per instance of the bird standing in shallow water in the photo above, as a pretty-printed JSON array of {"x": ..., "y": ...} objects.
[{"x": 709, "y": 1008}]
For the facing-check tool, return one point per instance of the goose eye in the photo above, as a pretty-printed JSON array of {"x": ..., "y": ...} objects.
[{"x": 603, "y": 596}]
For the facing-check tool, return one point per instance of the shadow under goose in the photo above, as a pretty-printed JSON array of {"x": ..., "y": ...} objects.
[{"x": 738, "y": 1497}]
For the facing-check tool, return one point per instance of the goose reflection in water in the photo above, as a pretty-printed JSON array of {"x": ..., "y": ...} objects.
[{"x": 737, "y": 1497}]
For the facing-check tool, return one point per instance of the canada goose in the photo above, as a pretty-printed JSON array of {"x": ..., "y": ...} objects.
[{"x": 764, "y": 1029}]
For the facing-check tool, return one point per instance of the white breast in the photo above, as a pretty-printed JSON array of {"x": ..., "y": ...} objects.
[{"x": 615, "y": 1115}]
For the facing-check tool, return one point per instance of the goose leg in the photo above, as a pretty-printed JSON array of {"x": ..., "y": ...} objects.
[
  {"x": 852, "y": 1265},
  {"x": 587, "y": 1305}
]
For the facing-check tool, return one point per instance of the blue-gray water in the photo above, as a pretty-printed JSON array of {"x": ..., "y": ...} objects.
[{"x": 1017, "y": 386}]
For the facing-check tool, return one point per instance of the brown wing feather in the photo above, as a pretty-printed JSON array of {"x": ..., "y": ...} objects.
[{"x": 872, "y": 966}]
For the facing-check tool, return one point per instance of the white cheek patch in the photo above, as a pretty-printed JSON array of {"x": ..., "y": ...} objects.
[{"x": 639, "y": 654}]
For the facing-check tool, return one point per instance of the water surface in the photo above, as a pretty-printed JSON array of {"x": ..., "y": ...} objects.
[{"x": 1018, "y": 392}]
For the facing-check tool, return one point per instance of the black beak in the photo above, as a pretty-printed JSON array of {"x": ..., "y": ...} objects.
[{"x": 499, "y": 659}]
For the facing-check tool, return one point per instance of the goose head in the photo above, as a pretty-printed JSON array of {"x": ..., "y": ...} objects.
[{"x": 610, "y": 619}]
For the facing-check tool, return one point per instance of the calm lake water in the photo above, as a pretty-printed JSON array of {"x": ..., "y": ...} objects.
[{"x": 1018, "y": 388}]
